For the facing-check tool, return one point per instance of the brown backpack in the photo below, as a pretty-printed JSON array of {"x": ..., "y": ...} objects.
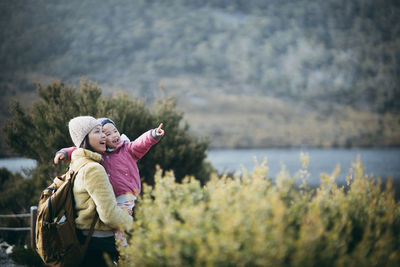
[{"x": 57, "y": 241}]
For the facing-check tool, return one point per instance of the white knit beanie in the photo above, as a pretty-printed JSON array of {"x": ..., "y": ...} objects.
[{"x": 79, "y": 127}]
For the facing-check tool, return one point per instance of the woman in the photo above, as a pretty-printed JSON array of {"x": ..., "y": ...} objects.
[
  {"x": 93, "y": 192},
  {"x": 120, "y": 164}
]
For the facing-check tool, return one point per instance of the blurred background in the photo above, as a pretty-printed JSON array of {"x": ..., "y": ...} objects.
[
  {"x": 257, "y": 78},
  {"x": 257, "y": 74}
]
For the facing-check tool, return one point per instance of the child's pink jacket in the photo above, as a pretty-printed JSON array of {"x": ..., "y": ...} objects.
[{"x": 120, "y": 164}]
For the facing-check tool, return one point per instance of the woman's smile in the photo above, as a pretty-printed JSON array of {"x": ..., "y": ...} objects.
[{"x": 97, "y": 139}]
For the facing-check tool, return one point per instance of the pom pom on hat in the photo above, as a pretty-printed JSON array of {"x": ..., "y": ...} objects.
[{"x": 79, "y": 127}]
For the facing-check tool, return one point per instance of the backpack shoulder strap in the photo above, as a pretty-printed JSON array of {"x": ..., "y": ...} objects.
[
  {"x": 91, "y": 230},
  {"x": 78, "y": 166}
]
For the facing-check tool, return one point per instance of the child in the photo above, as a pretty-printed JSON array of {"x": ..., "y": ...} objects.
[{"x": 119, "y": 161}]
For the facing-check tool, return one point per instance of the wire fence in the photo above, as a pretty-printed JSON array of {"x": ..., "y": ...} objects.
[{"x": 31, "y": 228}]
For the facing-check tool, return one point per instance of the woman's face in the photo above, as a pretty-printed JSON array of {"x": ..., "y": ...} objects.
[
  {"x": 113, "y": 138},
  {"x": 97, "y": 139}
]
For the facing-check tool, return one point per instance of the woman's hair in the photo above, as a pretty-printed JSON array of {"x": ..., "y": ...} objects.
[{"x": 85, "y": 143}]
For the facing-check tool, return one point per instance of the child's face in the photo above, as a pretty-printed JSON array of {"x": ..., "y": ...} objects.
[{"x": 113, "y": 137}]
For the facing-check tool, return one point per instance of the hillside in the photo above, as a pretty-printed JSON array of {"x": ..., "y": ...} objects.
[
  {"x": 243, "y": 120},
  {"x": 328, "y": 71}
]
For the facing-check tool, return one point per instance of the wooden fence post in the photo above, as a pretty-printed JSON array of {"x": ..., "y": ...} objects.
[{"x": 33, "y": 227}]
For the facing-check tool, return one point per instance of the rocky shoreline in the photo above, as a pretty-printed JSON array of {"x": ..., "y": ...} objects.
[{"x": 5, "y": 250}]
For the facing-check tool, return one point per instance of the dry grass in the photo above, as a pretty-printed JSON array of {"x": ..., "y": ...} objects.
[{"x": 246, "y": 120}]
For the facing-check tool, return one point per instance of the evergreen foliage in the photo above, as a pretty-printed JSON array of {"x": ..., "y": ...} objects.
[
  {"x": 39, "y": 132},
  {"x": 251, "y": 221},
  {"x": 15, "y": 193},
  {"x": 15, "y": 198}
]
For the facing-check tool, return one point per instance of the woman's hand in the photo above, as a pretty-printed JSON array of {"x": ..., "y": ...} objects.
[{"x": 159, "y": 130}]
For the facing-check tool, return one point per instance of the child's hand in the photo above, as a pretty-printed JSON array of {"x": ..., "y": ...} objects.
[
  {"x": 58, "y": 157},
  {"x": 159, "y": 131}
]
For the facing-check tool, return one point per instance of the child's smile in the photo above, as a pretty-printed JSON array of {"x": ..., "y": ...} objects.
[{"x": 116, "y": 141}]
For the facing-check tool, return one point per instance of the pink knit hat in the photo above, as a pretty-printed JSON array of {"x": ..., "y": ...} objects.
[{"x": 79, "y": 127}]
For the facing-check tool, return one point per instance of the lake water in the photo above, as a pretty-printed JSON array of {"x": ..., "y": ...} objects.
[
  {"x": 380, "y": 162},
  {"x": 17, "y": 164}
]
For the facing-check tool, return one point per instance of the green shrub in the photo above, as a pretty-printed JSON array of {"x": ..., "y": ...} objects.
[
  {"x": 26, "y": 256},
  {"x": 251, "y": 221},
  {"x": 38, "y": 132}
]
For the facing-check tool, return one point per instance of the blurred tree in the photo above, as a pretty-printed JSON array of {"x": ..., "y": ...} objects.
[
  {"x": 39, "y": 132},
  {"x": 15, "y": 191},
  {"x": 178, "y": 150},
  {"x": 15, "y": 198}
]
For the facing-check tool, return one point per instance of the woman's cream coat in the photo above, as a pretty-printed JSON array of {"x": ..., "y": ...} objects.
[{"x": 93, "y": 192}]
